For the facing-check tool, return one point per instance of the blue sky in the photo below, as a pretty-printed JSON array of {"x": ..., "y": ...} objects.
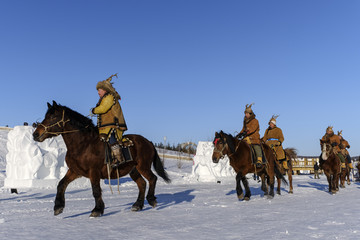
[{"x": 188, "y": 68}]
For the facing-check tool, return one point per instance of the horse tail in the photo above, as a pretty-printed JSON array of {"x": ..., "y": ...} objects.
[
  {"x": 291, "y": 152},
  {"x": 159, "y": 168},
  {"x": 278, "y": 174}
]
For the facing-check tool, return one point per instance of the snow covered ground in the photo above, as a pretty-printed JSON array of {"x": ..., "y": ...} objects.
[{"x": 187, "y": 209}]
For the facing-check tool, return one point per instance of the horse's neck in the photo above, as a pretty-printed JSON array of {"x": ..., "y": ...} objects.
[
  {"x": 240, "y": 147},
  {"x": 76, "y": 141}
]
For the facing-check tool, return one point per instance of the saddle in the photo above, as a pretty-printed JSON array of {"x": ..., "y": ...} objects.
[
  {"x": 125, "y": 145},
  {"x": 253, "y": 153}
]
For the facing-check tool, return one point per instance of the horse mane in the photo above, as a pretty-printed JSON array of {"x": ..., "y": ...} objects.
[
  {"x": 78, "y": 120},
  {"x": 230, "y": 141}
]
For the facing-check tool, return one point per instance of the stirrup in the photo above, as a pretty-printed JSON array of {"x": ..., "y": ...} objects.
[{"x": 116, "y": 163}]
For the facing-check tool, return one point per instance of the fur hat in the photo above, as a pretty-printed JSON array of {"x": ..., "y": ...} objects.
[
  {"x": 329, "y": 128},
  {"x": 107, "y": 85},
  {"x": 273, "y": 119},
  {"x": 248, "y": 108}
]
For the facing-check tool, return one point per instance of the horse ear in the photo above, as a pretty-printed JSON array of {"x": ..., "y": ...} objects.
[
  {"x": 55, "y": 104},
  {"x": 49, "y": 105}
]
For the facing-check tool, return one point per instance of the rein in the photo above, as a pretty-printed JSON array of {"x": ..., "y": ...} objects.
[{"x": 63, "y": 122}]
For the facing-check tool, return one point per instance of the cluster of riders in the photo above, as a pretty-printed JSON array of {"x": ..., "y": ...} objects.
[
  {"x": 88, "y": 145},
  {"x": 335, "y": 159}
]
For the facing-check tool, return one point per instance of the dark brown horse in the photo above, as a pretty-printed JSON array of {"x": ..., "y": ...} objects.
[
  {"x": 239, "y": 153},
  {"x": 86, "y": 153},
  {"x": 291, "y": 155},
  {"x": 331, "y": 165}
]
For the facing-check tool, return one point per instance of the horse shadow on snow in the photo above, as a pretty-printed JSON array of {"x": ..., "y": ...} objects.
[{"x": 254, "y": 192}]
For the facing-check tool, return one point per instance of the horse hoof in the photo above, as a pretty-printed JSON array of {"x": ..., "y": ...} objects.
[
  {"x": 278, "y": 192},
  {"x": 153, "y": 204},
  {"x": 291, "y": 191},
  {"x": 95, "y": 214},
  {"x": 241, "y": 196},
  {"x": 136, "y": 208},
  {"x": 246, "y": 198},
  {"x": 152, "y": 201},
  {"x": 58, "y": 211}
]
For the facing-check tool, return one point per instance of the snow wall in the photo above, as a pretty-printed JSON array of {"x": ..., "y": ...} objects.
[
  {"x": 33, "y": 164},
  {"x": 204, "y": 170}
]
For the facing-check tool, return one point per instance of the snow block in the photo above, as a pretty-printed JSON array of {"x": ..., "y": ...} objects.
[
  {"x": 31, "y": 164},
  {"x": 204, "y": 170}
]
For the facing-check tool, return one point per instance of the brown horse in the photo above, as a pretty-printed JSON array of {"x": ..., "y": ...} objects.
[
  {"x": 331, "y": 165},
  {"x": 239, "y": 153},
  {"x": 291, "y": 155},
  {"x": 86, "y": 153}
]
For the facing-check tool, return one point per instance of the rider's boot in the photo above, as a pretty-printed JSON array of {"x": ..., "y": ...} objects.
[
  {"x": 119, "y": 158},
  {"x": 259, "y": 162}
]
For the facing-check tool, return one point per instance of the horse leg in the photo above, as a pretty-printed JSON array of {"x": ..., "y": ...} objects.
[
  {"x": 247, "y": 189},
  {"x": 334, "y": 184},
  {"x": 272, "y": 181},
  {"x": 329, "y": 181},
  {"x": 61, "y": 188},
  {"x": 348, "y": 175},
  {"x": 264, "y": 187},
  {"x": 96, "y": 189},
  {"x": 278, "y": 191},
  {"x": 150, "y": 197},
  {"x": 289, "y": 173},
  {"x": 139, "y": 204},
  {"x": 239, "y": 190},
  {"x": 342, "y": 178}
]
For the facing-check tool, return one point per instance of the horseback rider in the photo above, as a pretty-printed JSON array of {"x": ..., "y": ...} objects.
[
  {"x": 250, "y": 133},
  {"x": 274, "y": 138},
  {"x": 343, "y": 148},
  {"x": 111, "y": 122},
  {"x": 335, "y": 142}
]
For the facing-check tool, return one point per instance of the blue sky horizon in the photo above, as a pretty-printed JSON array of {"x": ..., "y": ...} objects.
[{"x": 188, "y": 68}]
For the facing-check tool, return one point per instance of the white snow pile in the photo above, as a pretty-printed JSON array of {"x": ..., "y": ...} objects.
[
  {"x": 33, "y": 164},
  {"x": 204, "y": 170}
]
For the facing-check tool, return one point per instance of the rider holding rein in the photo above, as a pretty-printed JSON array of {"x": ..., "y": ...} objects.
[
  {"x": 111, "y": 122},
  {"x": 250, "y": 133}
]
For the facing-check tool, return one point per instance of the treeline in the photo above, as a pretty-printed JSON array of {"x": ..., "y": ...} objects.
[{"x": 179, "y": 148}]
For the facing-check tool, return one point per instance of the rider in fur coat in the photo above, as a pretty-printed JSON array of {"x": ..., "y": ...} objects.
[
  {"x": 250, "y": 132},
  {"x": 274, "y": 138},
  {"x": 111, "y": 122}
]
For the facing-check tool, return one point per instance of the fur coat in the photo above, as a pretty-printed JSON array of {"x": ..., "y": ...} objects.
[
  {"x": 252, "y": 129},
  {"x": 274, "y": 138}
]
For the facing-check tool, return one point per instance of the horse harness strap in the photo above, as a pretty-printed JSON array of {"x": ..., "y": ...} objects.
[{"x": 63, "y": 122}]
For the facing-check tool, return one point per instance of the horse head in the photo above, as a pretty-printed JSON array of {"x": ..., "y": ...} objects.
[
  {"x": 223, "y": 145},
  {"x": 53, "y": 123},
  {"x": 326, "y": 149}
]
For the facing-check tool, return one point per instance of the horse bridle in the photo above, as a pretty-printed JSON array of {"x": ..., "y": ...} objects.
[
  {"x": 62, "y": 121},
  {"x": 219, "y": 151}
]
